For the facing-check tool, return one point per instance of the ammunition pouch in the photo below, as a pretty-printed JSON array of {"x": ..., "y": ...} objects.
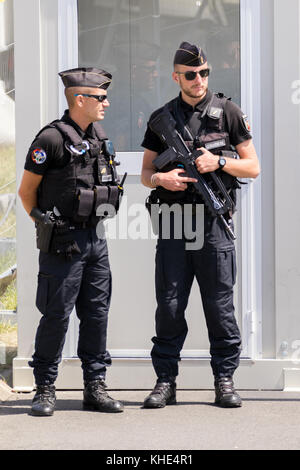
[{"x": 89, "y": 200}]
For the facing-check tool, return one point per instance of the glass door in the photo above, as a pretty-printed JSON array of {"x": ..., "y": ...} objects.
[{"x": 136, "y": 40}]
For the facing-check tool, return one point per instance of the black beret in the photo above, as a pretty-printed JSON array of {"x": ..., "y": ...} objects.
[
  {"x": 87, "y": 77},
  {"x": 188, "y": 54}
]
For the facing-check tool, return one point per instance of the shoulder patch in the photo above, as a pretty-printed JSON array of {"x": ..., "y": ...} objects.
[
  {"x": 38, "y": 156},
  {"x": 246, "y": 123}
]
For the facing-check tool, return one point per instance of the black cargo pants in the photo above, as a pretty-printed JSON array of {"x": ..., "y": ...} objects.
[
  {"x": 83, "y": 282},
  {"x": 214, "y": 266}
]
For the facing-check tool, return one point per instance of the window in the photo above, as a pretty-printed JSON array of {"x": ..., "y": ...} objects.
[{"x": 136, "y": 41}]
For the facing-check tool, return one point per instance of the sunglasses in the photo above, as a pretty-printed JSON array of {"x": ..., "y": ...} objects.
[
  {"x": 100, "y": 98},
  {"x": 192, "y": 75}
]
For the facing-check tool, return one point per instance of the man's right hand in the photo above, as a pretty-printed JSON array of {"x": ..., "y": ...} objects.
[{"x": 173, "y": 180}]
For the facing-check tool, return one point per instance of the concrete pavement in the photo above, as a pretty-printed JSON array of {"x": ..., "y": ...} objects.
[{"x": 267, "y": 420}]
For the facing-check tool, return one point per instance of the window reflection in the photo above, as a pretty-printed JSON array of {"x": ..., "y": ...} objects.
[
  {"x": 136, "y": 40},
  {"x": 143, "y": 86}
]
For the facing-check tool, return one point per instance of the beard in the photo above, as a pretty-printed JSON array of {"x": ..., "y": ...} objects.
[{"x": 195, "y": 93}]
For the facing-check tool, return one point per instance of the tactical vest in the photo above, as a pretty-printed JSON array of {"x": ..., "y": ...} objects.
[
  {"x": 212, "y": 135},
  {"x": 86, "y": 181}
]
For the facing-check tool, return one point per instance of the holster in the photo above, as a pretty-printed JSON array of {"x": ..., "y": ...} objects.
[
  {"x": 53, "y": 234},
  {"x": 44, "y": 234}
]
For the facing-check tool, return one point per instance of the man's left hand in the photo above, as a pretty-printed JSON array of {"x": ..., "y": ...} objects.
[{"x": 207, "y": 161}]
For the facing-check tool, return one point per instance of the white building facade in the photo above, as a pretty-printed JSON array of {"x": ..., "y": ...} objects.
[{"x": 253, "y": 47}]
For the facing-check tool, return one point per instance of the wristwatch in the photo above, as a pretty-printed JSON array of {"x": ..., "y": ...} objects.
[{"x": 222, "y": 162}]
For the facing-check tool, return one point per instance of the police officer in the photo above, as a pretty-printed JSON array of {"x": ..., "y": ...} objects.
[
  {"x": 213, "y": 124},
  {"x": 69, "y": 172}
]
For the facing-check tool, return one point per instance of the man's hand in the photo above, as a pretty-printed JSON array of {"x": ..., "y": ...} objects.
[
  {"x": 173, "y": 181},
  {"x": 207, "y": 162},
  {"x": 246, "y": 166}
]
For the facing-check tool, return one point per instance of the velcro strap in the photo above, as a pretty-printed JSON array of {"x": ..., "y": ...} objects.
[{"x": 86, "y": 202}]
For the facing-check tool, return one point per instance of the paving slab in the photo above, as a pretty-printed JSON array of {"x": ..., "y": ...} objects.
[{"x": 268, "y": 420}]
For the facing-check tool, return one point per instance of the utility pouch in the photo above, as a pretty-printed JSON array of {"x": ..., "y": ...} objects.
[
  {"x": 85, "y": 202},
  {"x": 101, "y": 196},
  {"x": 109, "y": 195}
]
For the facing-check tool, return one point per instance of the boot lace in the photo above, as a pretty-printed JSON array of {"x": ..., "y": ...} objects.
[
  {"x": 161, "y": 388},
  {"x": 226, "y": 386},
  {"x": 44, "y": 393},
  {"x": 97, "y": 388}
]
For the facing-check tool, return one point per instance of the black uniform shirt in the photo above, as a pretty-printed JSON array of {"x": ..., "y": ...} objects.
[
  {"x": 48, "y": 150},
  {"x": 235, "y": 123}
]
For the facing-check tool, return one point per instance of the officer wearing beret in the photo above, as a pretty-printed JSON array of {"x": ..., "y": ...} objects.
[
  {"x": 69, "y": 172},
  {"x": 213, "y": 124}
]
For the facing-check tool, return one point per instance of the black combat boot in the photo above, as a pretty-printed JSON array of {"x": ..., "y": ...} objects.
[
  {"x": 164, "y": 393},
  {"x": 43, "y": 402},
  {"x": 226, "y": 395},
  {"x": 96, "y": 398}
]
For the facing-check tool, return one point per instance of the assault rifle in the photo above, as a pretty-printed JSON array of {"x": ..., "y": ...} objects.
[{"x": 209, "y": 186}]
